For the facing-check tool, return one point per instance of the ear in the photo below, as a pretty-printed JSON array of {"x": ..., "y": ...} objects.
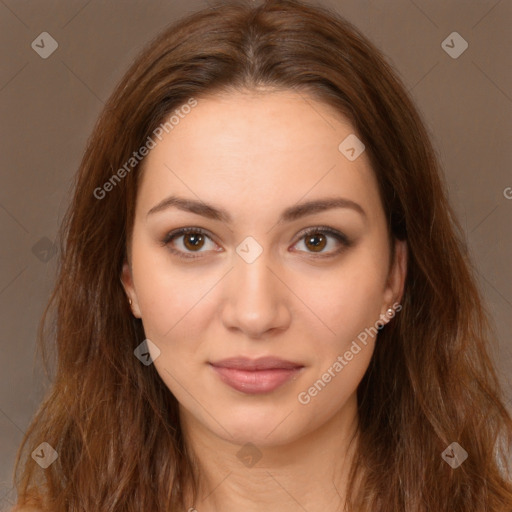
[
  {"x": 127, "y": 282},
  {"x": 395, "y": 284}
]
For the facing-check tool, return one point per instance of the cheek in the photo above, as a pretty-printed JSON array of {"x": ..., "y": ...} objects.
[
  {"x": 349, "y": 299},
  {"x": 172, "y": 303}
]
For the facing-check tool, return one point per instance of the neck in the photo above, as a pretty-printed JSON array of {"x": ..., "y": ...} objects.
[{"x": 309, "y": 473}]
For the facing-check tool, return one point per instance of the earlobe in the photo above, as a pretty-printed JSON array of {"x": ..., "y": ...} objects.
[
  {"x": 400, "y": 269},
  {"x": 126, "y": 279},
  {"x": 127, "y": 283},
  {"x": 397, "y": 275}
]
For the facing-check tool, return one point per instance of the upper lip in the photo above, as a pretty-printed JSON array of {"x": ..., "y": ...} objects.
[{"x": 262, "y": 363}]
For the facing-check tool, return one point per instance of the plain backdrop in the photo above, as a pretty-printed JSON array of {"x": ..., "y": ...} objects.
[{"x": 48, "y": 107}]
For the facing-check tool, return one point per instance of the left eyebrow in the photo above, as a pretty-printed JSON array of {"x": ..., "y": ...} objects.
[
  {"x": 320, "y": 205},
  {"x": 289, "y": 214}
]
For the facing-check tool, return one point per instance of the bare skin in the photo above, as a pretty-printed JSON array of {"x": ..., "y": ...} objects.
[{"x": 304, "y": 299}]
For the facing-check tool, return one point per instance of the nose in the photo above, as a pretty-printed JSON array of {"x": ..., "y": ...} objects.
[{"x": 256, "y": 301}]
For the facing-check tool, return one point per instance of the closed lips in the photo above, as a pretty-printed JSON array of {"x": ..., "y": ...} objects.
[
  {"x": 256, "y": 376},
  {"x": 267, "y": 363}
]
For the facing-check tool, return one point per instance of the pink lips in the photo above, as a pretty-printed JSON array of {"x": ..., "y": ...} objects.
[{"x": 253, "y": 376}]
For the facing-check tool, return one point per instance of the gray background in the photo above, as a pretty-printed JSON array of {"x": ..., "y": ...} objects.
[{"x": 48, "y": 107}]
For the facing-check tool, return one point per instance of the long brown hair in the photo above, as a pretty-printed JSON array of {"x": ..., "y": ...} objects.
[{"x": 113, "y": 422}]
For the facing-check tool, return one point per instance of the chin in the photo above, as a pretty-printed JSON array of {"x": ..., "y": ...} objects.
[{"x": 261, "y": 426}]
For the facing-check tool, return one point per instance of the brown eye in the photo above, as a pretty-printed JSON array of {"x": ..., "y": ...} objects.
[
  {"x": 323, "y": 241},
  {"x": 316, "y": 242},
  {"x": 185, "y": 242},
  {"x": 193, "y": 241}
]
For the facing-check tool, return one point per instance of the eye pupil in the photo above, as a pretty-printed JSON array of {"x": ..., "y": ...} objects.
[
  {"x": 193, "y": 241},
  {"x": 317, "y": 246}
]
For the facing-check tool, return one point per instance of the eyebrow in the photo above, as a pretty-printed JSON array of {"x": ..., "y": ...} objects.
[{"x": 290, "y": 214}]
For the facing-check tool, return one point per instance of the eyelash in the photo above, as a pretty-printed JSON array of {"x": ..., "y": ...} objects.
[{"x": 325, "y": 230}]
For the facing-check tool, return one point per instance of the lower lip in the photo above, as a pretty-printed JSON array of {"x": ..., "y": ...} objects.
[{"x": 255, "y": 381}]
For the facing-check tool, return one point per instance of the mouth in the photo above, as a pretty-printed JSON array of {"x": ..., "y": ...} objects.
[{"x": 255, "y": 376}]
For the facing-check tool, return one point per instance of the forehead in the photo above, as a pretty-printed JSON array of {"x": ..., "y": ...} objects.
[
  {"x": 251, "y": 149},
  {"x": 272, "y": 124}
]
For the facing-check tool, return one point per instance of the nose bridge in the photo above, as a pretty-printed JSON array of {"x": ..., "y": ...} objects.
[
  {"x": 254, "y": 278},
  {"x": 256, "y": 302}
]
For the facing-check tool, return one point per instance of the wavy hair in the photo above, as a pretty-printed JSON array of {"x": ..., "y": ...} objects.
[{"x": 431, "y": 381}]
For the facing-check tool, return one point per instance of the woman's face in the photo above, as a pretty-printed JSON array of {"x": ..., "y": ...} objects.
[{"x": 257, "y": 322}]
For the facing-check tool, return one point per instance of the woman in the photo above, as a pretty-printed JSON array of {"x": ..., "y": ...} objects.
[{"x": 265, "y": 299}]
